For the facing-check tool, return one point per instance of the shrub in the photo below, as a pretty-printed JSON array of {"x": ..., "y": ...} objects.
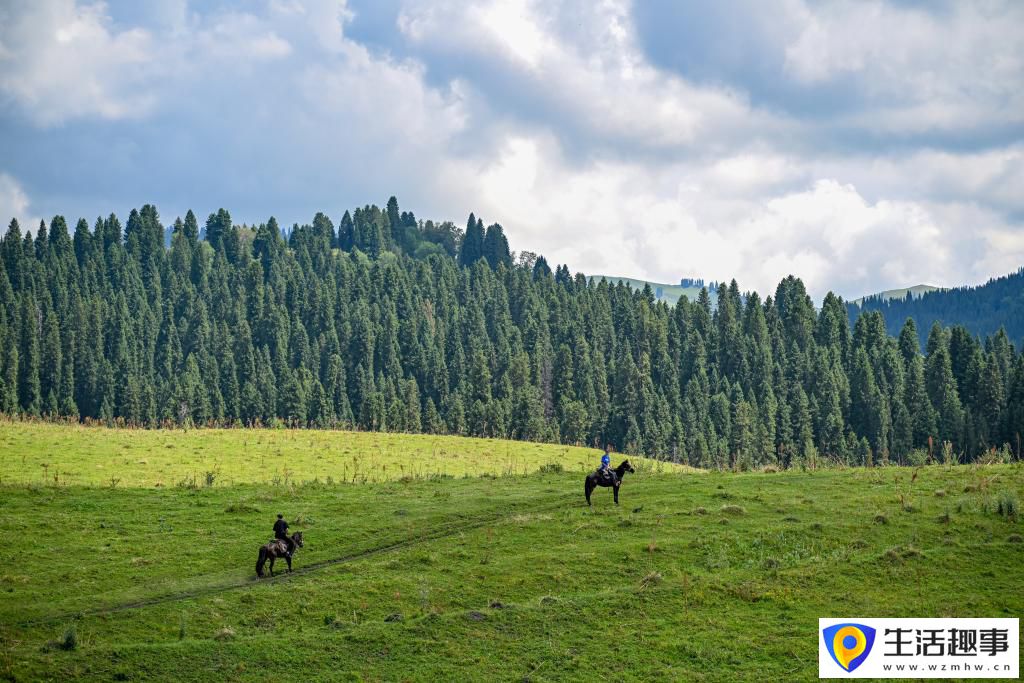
[
  {"x": 652, "y": 579},
  {"x": 226, "y": 633},
  {"x": 69, "y": 641},
  {"x": 917, "y": 457},
  {"x": 1006, "y": 505},
  {"x": 552, "y": 468}
]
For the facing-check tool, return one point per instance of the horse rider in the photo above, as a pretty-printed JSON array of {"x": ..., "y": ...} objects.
[
  {"x": 281, "y": 534},
  {"x": 605, "y": 470}
]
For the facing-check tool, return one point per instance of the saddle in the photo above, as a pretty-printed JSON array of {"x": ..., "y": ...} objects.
[{"x": 606, "y": 476}]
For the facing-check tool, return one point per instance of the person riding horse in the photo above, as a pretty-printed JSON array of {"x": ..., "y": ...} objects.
[
  {"x": 605, "y": 470},
  {"x": 281, "y": 534}
]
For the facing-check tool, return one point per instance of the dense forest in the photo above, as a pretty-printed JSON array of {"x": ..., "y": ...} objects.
[
  {"x": 999, "y": 303},
  {"x": 391, "y": 323}
]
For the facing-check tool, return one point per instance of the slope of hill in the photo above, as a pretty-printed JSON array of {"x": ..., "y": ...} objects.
[
  {"x": 488, "y": 578},
  {"x": 36, "y": 453},
  {"x": 670, "y": 294},
  {"x": 492, "y": 578},
  {"x": 916, "y": 292},
  {"x": 981, "y": 309}
]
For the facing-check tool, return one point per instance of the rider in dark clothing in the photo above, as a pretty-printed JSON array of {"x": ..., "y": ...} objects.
[
  {"x": 606, "y": 464},
  {"x": 281, "y": 534}
]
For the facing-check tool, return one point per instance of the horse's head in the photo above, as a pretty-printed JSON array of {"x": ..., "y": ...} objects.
[
  {"x": 626, "y": 467},
  {"x": 297, "y": 537}
]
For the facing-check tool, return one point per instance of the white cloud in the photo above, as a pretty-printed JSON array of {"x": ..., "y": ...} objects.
[
  {"x": 551, "y": 119},
  {"x": 924, "y": 68},
  {"x": 62, "y": 60},
  {"x": 14, "y": 203},
  {"x": 591, "y": 73},
  {"x": 666, "y": 222},
  {"x": 242, "y": 37}
]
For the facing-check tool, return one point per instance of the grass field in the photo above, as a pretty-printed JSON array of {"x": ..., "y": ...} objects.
[
  {"x": 39, "y": 453},
  {"x": 498, "y": 577}
]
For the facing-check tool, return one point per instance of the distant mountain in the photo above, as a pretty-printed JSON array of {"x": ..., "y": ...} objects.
[
  {"x": 915, "y": 292},
  {"x": 982, "y": 309},
  {"x": 670, "y": 294}
]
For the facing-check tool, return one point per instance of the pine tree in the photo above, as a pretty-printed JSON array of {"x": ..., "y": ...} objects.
[
  {"x": 472, "y": 249},
  {"x": 29, "y": 389},
  {"x": 495, "y": 247}
]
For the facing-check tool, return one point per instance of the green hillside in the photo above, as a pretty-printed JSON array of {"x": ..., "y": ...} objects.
[
  {"x": 709, "y": 577},
  {"x": 670, "y": 294},
  {"x": 916, "y": 291},
  {"x": 76, "y": 455}
]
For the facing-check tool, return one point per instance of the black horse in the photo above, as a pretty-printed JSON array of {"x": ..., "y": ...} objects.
[
  {"x": 611, "y": 478},
  {"x": 274, "y": 549}
]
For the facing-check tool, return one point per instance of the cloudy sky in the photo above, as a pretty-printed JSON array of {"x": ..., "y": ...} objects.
[{"x": 861, "y": 145}]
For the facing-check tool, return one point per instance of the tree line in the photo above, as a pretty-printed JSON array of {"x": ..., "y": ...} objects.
[
  {"x": 983, "y": 310},
  {"x": 387, "y": 322}
]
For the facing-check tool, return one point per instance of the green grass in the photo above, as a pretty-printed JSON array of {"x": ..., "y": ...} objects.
[
  {"x": 693, "y": 577},
  {"x": 43, "y": 453}
]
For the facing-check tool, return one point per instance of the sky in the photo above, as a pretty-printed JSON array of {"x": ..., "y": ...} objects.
[{"x": 860, "y": 145}]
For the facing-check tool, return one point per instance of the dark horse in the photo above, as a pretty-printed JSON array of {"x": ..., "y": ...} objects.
[
  {"x": 612, "y": 478},
  {"x": 275, "y": 549}
]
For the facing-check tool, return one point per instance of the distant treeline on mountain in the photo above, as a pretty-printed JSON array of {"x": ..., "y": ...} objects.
[
  {"x": 386, "y": 322},
  {"x": 983, "y": 310}
]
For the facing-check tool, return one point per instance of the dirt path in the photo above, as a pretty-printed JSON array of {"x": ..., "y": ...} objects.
[{"x": 437, "y": 533}]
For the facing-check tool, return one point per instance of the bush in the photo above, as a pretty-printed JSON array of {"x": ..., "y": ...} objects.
[
  {"x": 917, "y": 457},
  {"x": 226, "y": 633},
  {"x": 552, "y": 468},
  {"x": 69, "y": 641},
  {"x": 1006, "y": 505},
  {"x": 652, "y": 579}
]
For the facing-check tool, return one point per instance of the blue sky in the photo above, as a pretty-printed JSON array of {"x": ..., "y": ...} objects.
[{"x": 860, "y": 145}]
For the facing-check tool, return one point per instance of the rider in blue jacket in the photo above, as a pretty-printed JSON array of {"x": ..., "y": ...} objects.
[{"x": 606, "y": 460}]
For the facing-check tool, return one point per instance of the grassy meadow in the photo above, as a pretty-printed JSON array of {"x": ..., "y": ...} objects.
[
  {"x": 40, "y": 453},
  {"x": 502, "y": 576}
]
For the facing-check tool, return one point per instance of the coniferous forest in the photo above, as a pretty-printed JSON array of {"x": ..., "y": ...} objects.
[
  {"x": 386, "y": 322},
  {"x": 999, "y": 303}
]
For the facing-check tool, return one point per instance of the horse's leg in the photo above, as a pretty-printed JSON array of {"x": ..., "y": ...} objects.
[
  {"x": 588, "y": 488},
  {"x": 616, "y": 490},
  {"x": 272, "y": 558},
  {"x": 289, "y": 559}
]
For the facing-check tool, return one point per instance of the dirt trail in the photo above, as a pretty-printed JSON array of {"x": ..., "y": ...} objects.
[{"x": 436, "y": 533}]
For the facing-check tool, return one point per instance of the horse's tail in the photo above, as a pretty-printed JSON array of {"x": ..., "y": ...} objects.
[{"x": 260, "y": 562}]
